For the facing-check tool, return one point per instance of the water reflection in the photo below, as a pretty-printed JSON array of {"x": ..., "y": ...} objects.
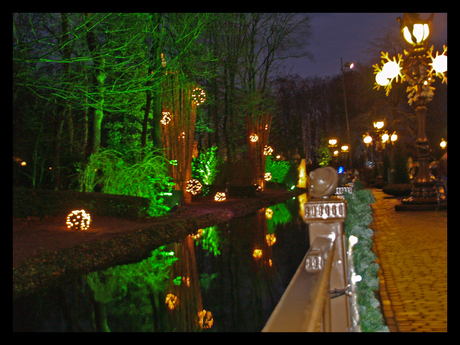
[{"x": 224, "y": 278}]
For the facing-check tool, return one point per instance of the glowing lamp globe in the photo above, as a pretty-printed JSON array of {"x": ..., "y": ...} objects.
[
  {"x": 257, "y": 253},
  {"x": 367, "y": 139},
  {"x": 391, "y": 69},
  {"x": 171, "y": 300},
  {"x": 381, "y": 79},
  {"x": 205, "y": 319},
  {"x": 166, "y": 118},
  {"x": 267, "y": 176},
  {"x": 194, "y": 186},
  {"x": 220, "y": 196},
  {"x": 254, "y": 138},
  {"x": 198, "y": 95},
  {"x": 419, "y": 34},
  {"x": 440, "y": 63},
  {"x": 78, "y": 220}
]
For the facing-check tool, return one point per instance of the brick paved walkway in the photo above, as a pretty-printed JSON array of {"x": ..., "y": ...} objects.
[{"x": 412, "y": 253}]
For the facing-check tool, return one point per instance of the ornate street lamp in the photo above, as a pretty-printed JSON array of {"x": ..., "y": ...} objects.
[{"x": 417, "y": 68}]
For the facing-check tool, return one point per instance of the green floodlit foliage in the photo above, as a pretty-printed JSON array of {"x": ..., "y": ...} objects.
[
  {"x": 281, "y": 215},
  {"x": 278, "y": 168},
  {"x": 136, "y": 172},
  {"x": 206, "y": 166},
  {"x": 152, "y": 274},
  {"x": 210, "y": 240}
]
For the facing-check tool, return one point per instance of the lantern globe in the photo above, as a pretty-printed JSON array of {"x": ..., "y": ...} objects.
[
  {"x": 381, "y": 79},
  {"x": 419, "y": 34},
  {"x": 440, "y": 63}
]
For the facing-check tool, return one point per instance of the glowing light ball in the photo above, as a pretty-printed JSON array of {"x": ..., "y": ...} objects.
[
  {"x": 205, "y": 319},
  {"x": 198, "y": 95},
  {"x": 78, "y": 220},
  {"x": 172, "y": 301},
  {"x": 268, "y": 213},
  {"x": 271, "y": 239},
  {"x": 220, "y": 196},
  {"x": 194, "y": 186},
  {"x": 198, "y": 234},
  {"x": 254, "y": 138},
  {"x": 257, "y": 253},
  {"x": 268, "y": 150},
  {"x": 166, "y": 118},
  {"x": 267, "y": 176}
]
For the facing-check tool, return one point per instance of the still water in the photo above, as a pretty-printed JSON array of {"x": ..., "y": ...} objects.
[{"x": 228, "y": 277}]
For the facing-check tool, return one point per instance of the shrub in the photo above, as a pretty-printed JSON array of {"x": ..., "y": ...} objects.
[
  {"x": 137, "y": 172},
  {"x": 206, "y": 166}
]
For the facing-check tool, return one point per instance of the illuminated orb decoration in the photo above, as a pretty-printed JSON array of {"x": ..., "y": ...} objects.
[
  {"x": 268, "y": 213},
  {"x": 205, "y": 319},
  {"x": 271, "y": 239},
  {"x": 78, "y": 220},
  {"x": 257, "y": 253},
  {"x": 166, "y": 118},
  {"x": 254, "y": 138},
  {"x": 268, "y": 150},
  {"x": 194, "y": 186},
  {"x": 198, "y": 234},
  {"x": 267, "y": 176},
  {"x": 198, "y": 95},
  {"x": 172, "y": 301},
  {"x": 220, "y": 196}
]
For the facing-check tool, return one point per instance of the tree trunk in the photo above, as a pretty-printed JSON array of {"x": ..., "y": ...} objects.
[{"x": 99, "y": 64}]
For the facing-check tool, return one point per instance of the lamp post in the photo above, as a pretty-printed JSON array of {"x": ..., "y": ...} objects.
[
  {"x": 418, "y": 68},
  {"x": 350, "y": 66}
]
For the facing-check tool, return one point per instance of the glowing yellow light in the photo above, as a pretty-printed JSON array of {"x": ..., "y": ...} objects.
[
  {"x": 336, "y": 153},
  {"x": 379, "y": 124},
  {"x": 78, "y": 220},
  {"x": 194, "y": 186},
  {"x": 344, "y": 148},
  {"x": 198, "y": 95},
  {"x": 367, "y": 139},
  {"x": 166, "y": 118},
  {"x": 332, "y": 142},
  {"x": 394, "y": 137},
  {"x": 198, "y": 234},
  {"x": 23, "y": 163},
  {"x": 385, "y": 138},
  {"x": 205, "y": 319},
  {"x": 171, "y": 300},
  {"x": 268, "y": 150},
  {"x": 220, "y": 196},
  {"x": 391, "y": 70},
  {"x": 257, "y": 253},
  {"x": 419, "y": 31},
  {"x": 271, "y": 239},
  {"x": 186, "y": 281},
  {"x": 381, "y": 79},
  {"x": 254, "y": 138},
  {"x": 443, "y": 144},
  {"x": 268, "y": 176},
  {"x": 268, "y": 213},
  {"x": 440, "y": 63}
]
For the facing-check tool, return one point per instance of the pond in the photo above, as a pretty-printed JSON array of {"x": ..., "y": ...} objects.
[{"x": 228, "y": 277}]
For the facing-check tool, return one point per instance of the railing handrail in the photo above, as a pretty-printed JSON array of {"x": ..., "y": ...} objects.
[
  {"x": 322, "y": 294},
  {"x": 300, "y": 309}
]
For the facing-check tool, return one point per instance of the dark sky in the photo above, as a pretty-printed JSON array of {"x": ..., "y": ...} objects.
[{"x": 346, "y": 35}]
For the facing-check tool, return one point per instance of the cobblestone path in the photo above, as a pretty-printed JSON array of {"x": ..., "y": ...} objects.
[{"x": 412, "y": 253}]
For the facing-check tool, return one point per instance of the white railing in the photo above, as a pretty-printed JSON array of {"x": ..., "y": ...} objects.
[{"x": 321, "y": 296}]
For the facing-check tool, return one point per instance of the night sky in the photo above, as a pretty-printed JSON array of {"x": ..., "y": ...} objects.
[{"x": 347, "y": 35}]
